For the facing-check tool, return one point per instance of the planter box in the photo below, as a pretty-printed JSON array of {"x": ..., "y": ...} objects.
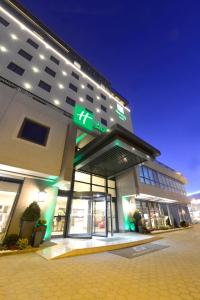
[
  {"x": 38, "y": 237},
  {"x": 26, "y": 230}
]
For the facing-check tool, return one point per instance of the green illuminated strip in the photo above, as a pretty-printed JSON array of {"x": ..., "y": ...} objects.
[{"x": 80, "y": 138}]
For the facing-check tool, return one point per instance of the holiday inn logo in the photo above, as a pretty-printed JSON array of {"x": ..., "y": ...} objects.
[{"x": 85, "y": 119}]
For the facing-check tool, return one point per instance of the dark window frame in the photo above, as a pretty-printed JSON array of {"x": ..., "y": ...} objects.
[
  {"x": 14, "y": 67},
  {"x": 55, "y": 60},
  {"x": 73, "y": 87},
  {"x": 103, "y": 108},
  {"x": 70, "y": 101},
  {"x": 50, "y": 72},
  {"x": 4, "y": 22},
  {"x": 48, "y": 86},
  {"x": 89, "y": 98},
  {"x": 32, "y": 43},
  {"x": 25, "y": 54},
  {"x": 103, "y": 96},
  {"x": 36, "y": 123},
  {"x": 75, "y": 75},
  {"x": 104, "y": 122},
  {"x": 90, "y": 87}
]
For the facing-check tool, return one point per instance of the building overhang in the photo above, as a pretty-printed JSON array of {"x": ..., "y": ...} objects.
[
  {"x": 152, "y": 198},
  {"x": 114, "y": 152}
]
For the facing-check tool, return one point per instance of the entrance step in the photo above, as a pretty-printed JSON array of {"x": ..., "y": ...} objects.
[{"x": 72, "y": 247}]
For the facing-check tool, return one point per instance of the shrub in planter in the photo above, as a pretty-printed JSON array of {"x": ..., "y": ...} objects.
[
  {"x": 184, "y": 224},
  {"x": 22, "y": 244},
  {"x": 28, "y": 220},
  {"x": 10, "y": 241}
]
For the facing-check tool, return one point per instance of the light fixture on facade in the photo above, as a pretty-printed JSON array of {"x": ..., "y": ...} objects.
[
  {"x": 64, "y": 73},
  {"x": 27, "y": 85},
  {"x": 13, "y": 36},
  {"x": 3, "y": 49},
  {"x": 35, "y": 69},
  {"x": 61, "y": 86},
  {"x": 42, "y": 196},
  {"x": 98, "y": 110},
  {"x": 133, "y": 148},
  {"x": 56, "y": 102},
  {"x": 81, "y": 99},
  {"x": 111, "y": 107},
  {"x": 82, "y": 86},
  {"x": 98, "y": 97},
  {"x": 42, "y": 56},
  {"x": 111, "y": 119}
]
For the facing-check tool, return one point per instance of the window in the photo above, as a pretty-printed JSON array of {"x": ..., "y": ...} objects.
[
  {"x": 75, "y": 75},
  {"x": 45, "y": 86},
  {"x": 90, "y": 87},
  {"x": 50, "y": 72},
  {"x": 55, "y": 60},
  {"x": 89, "y": 110},
  {"x": 70, "y": 101},
  {"x": 25, "y": 54},
  {"x": 34, "y": 132},
  {"x": 104, "y": 122},
  {"x": 4, "y": 22},
  {"x": 32, "y": 43},
  {"x": 103, "y": 96},
  {"x": 103, "y": 108},
  {"x": 73, "y": 87},
  {"x": 15, "y": 68},
  {"x": 89, "y": 98}
]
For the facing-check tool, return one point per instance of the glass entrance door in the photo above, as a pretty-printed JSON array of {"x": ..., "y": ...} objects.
[{"x": 89, "y": 215}]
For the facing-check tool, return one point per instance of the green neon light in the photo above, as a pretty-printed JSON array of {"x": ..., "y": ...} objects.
[
  {"x": 126, "y": 210},
  {"x": 80, "y": 137},
  {"x": 85, "y": 119},
  {"x": 117, "y": 143}
]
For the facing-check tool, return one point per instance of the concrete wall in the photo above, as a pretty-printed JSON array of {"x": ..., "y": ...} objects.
[{"x": 14, "y": 107}]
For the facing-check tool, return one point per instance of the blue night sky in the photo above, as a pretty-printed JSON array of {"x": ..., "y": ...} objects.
[{"x": 150, "y": 51}]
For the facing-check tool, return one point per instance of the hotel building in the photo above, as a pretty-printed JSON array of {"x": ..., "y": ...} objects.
[{"x": 67, "y": 142}]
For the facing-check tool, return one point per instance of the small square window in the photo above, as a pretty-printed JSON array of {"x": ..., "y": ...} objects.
[
  {"x": 50, "y": 72},
  {"x": 4, "y": 22},
  {"x": 104, "y": 122},
  {"x": 103, "y": 108},
  {"x": 25, "y": 54},
  {"x": 55, "y": 60},
  {"x": 32, "y": 43},
  {"x": 15, "y": 68},
  {"x": 103, "y": 96},
  {"x": 34, "y": 132},
  {"x": 73, "y": 87},
  {"x": 90, "y": 87},
  {"x": 75, "y": 75},
  {"x": 89, "y": 98},
  {"x": 70, "y": 101},
  {"x": 45, "y": 86}
]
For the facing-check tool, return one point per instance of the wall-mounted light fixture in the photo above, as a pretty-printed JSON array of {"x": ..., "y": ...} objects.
[{"x": 42, "y": 196}]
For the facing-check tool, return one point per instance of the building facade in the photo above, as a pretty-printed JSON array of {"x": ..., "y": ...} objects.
[{"x": 67, "y": 141}]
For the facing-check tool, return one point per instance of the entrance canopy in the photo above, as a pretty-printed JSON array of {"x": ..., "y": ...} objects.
[{"x": 113, "y": 152}]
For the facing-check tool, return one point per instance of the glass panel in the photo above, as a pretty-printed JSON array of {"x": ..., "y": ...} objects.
[
  {"x": 80, "y": 218},
  {"x": 99, "y": 217},
  {"x": 79, "y": 176},
  {"x": 8, "y": 192},
  {"x": 111, "y": 184},
  {"x": 96, "y": 188},
  {"x": 59, "y": 215},
  {"x": 81, "y": 187},
  {"x": 112, "y": 192},
  {"x": 98, "y": 180}
]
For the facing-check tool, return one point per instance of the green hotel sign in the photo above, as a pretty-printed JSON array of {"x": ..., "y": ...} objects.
[
  {"x": 85, "y": 119},
  {"x": 120, "y": 112}
]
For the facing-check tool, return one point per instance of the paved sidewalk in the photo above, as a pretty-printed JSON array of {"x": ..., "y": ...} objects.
[{"x": 171, "y": 273}]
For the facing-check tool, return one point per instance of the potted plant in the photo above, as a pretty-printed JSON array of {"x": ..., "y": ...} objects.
[
  {"x": 39, "y": 233},
  {"x": 28, "y": 220}
]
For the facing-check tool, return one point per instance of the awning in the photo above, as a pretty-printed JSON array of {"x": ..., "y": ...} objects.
[{"x": 113, "y": 152}]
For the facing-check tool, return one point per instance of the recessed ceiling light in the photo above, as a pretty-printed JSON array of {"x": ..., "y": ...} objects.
[
  {"x": 41, "y": 56},
  {"x": 56, "y": 101},
  {"x": 82, "y": 86},
  {"x": 27, "y": 85},
  {"x": 13, "y": 36},
  {"x": 64, "y": 73},
  {"x": 81, "y": 99},
  {"x": 35, "y": 70},
  {"x": 3, "y": 49},
  {"x": 61, "y": 86}
]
